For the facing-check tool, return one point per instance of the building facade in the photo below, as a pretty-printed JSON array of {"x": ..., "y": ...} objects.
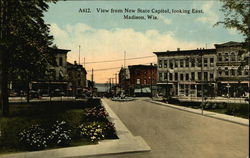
[
  {"x": 233, "y": 70},
  {"x": 137, "y": 77},
  {"x": 77, "y": 78},
  {"x": 186, "y": 72},
  {"x": 201, "y": 72},
  {"x": 56, "y": 80}
]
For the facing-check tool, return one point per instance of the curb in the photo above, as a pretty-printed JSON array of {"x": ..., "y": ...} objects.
[
  {"x": 223, "y": 117},
  {"x": 127, "y": 143}
]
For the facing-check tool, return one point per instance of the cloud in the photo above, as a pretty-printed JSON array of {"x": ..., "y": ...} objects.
[
  {"x": 104, "y": 44},
  {"x": 210, "y": 16},
  {"x": 165, "y": 20}
]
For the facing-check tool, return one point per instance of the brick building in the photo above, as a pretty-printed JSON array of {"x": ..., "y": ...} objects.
[{"x": 137, "y": 76}]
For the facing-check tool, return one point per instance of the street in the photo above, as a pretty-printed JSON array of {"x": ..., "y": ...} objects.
[{"x": 172, "y": 133}]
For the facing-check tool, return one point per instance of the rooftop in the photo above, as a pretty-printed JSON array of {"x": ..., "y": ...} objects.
[{"x": 186, "y": 52}]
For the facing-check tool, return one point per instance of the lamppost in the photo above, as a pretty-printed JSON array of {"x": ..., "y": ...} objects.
[
  {"x": 202, "y": 86},
  {"x": 151, "y": 78}
]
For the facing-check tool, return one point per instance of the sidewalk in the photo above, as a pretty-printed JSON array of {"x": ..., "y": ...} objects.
[
  {"x": 224, "y": 117},
  {"x": 127, "y": 143}
]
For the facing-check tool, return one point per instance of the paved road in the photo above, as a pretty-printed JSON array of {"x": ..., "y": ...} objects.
[{"x": 172, "y": 133}]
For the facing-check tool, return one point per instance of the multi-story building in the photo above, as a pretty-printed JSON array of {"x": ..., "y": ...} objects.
[
  {"x": 233, "y": 72},
  {"x": 207, "y": 72},
  {"x": 183, "y": 72},
  {"x": 59, "y": 69},
  {"x": 56, "y": 80},
  {"x": 137, "y": 76},
  {"x": 76, "y": 78}
]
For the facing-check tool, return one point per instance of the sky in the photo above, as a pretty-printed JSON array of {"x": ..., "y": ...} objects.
[{"x": 108, "y": 36}]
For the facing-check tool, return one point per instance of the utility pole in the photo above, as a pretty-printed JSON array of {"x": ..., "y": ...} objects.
[
  {"x": 115, "y": 82},
  {"x": 84, "y": 62},
  {"x": 79, "y": 54},
  {"x": 110, "y": 86},
  {"x": 92, "y": 81},
  {"x": 202, "y": 86},
  {"x": 124, "y": 59},
  {"x": 151, "y": 80}
]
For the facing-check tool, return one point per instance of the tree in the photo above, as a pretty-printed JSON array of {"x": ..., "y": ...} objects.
[
  {"x": 237, "y": 16},
  {"x": 24, "y": 43}
]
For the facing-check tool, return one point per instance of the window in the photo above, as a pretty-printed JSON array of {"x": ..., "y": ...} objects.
[
  {"x": 181, "y": 77},
  {"x": 219, "y": 57},
  {"x": 192, "y": 76},
  {"x": 239, "y": 72},
  {"x": 205, "y": 76},
  {"x": 60, "y": 61},
  {"x": 233, "y": 57},
  {"x": 170, "y": 76},
  {"x": 211, "y": 76},
  {"x": 205, "y": 62},
  {"x": 187, "y": 62},
  {"x": 171, "y": 64},
  {"x": 165, "y": 76},
  {"x": 145, "y": 81},
  {"x": 160, "y": 76},
  {"x": 165, "y": 63},
  {"x": 219, "y": 71},
  {"x": 176, "y": 76},
  {"x": 187, "y": 76},
  {"x": 181, "y": 62},
  {"x": 226, "y": 71},
  {"x": 233, "y": 72},
  {"x": 211, "y": 62},
  {"x": 138, "y": 81},
  {"x": 226, "y": 57},
  {"x": 160, "y": 63},
  {"x": 246, "y": 72},
  {"x": 199, "y": 75},
  {"x": 199, "y": 61},
  {"x": 176, "y": 63},
  {"x": 181, "y": 86},
  {"x": 192, "y": 62}
]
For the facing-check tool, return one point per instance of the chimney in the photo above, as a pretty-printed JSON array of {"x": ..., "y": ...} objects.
[{"x": 178, "y": 49}]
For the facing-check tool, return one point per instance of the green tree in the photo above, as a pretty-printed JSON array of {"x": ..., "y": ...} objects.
[
  {"x": 237, "y": 16},
  {"x": 24, "y": 43}
]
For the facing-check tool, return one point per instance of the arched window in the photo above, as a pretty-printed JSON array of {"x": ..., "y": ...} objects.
[
  {"x": 233, "y": 72},
  {"x": 226, "y": 57},
  {"x": 219, "y": 57},
  {"x": 233, "y": 56},
  {"x": 219, "y": 71},
  {"x": 226, "y": 71}
]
